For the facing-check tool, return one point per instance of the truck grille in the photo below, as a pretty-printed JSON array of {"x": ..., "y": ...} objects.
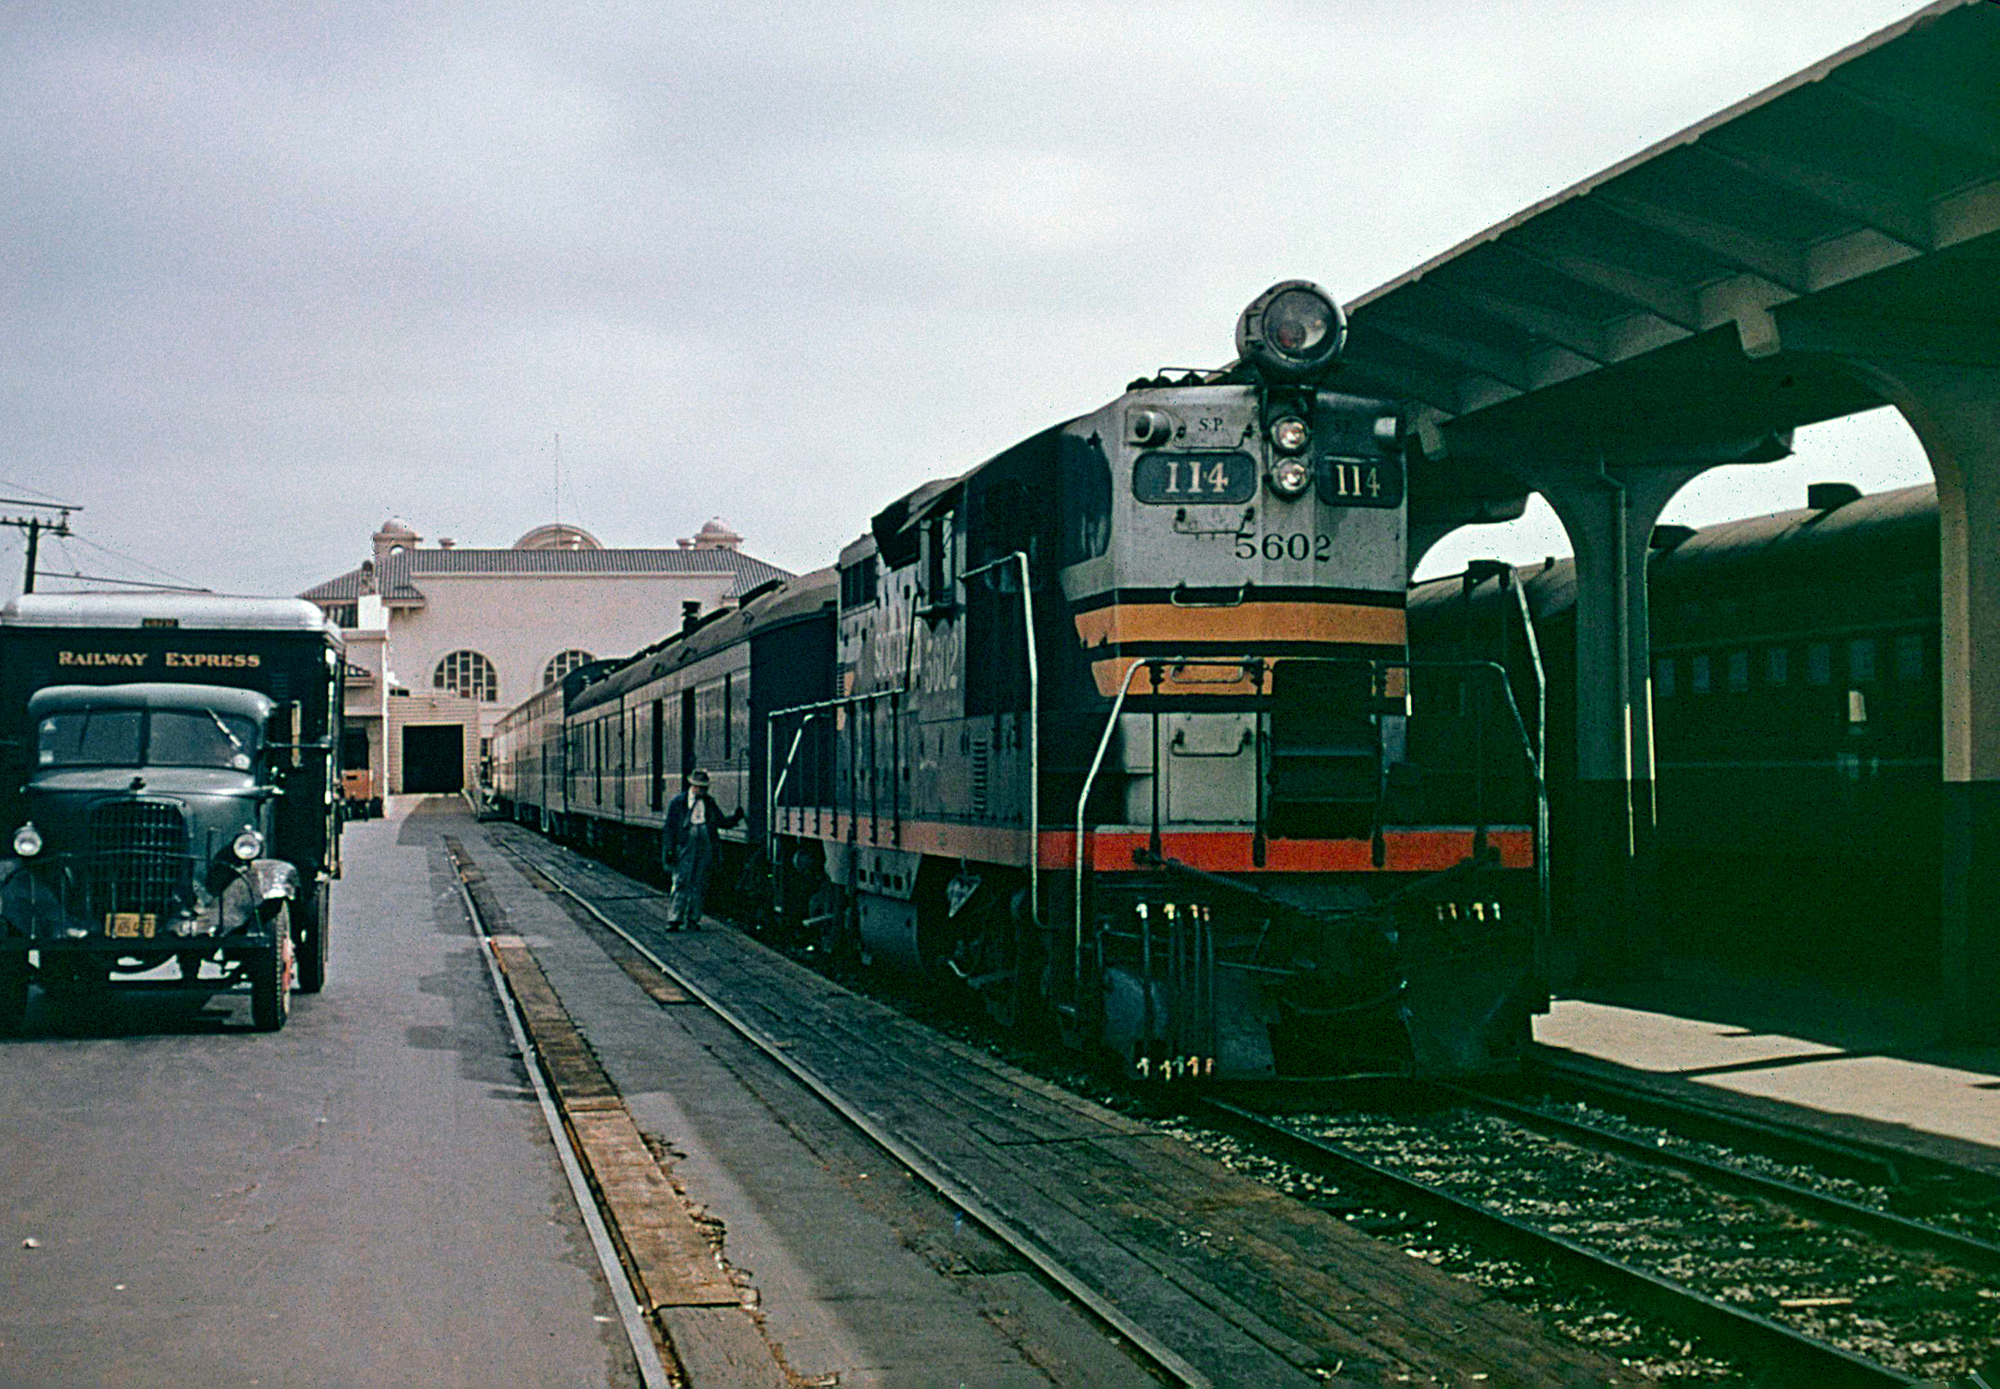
[{"x": 138, "y": 857}]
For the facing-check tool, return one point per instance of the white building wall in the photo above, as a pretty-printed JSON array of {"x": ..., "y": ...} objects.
[{"x": 520, "y": 621}]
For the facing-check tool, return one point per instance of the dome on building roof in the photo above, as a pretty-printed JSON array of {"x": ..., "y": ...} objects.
[
  {"x": 713, "y": 536},
  {"x": 397, "y": 526},
  {"x": 558, "y": 535}
]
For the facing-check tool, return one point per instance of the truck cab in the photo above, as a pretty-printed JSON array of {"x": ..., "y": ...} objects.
[
  {"x": 151, "y": 810},
  {"x": 168, "y": 776}
]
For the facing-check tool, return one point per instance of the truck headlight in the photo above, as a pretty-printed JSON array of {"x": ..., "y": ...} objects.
[
  {"x": 27, "y": 840},
  {"x": 247, "y": 845}
]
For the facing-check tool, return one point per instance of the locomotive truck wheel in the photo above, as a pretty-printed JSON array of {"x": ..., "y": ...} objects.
[
  {"x": 270, "y": 969},
  {"x": 312, "y": 940},
  {"x": 13, "y": 993}
]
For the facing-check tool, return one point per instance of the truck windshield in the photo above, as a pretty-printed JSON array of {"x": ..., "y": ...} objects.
[
  {"x": 90, "y": 737},
  {"x": 134, "y": 737}
]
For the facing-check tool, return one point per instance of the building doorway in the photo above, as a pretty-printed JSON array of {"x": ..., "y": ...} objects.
[{"x": 433, "y": 758}]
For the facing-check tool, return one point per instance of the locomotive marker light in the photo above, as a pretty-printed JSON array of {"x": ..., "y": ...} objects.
[
  {"x": 1290, "y": 477},
  {"x": 1290, "y": 435},
  {"x": 1293, "y": 332}
]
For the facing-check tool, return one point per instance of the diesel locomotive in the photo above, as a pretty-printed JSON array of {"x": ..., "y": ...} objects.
[{"x": 1120, "y": 731}]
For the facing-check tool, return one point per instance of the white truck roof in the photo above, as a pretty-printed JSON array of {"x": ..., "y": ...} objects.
[{"x": 192, "y": 611}]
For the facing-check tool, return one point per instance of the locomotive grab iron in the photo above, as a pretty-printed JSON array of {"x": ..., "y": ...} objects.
[{"x": 1116, "y": 729}]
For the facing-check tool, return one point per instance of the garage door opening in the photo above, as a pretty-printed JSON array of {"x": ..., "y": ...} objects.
[{"x": 433, "y": 758}]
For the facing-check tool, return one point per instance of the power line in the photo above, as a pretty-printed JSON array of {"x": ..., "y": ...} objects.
[
  {"x": 179, "y": 579},
  {"x": 145, "y": 584},
  {"x": 41, "y": 498}
]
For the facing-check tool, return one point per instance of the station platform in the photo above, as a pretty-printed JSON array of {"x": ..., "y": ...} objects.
[
  {"x": 851, "y": 1274},
  {"x": 1863, "y": 1062}
]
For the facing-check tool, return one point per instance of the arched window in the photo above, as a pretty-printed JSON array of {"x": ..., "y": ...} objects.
[
  {"x": 562, "y": 663},
  {"x": 469, "y": 674}
]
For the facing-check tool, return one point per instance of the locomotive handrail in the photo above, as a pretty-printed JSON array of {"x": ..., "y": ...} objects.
[
  {"x": 1034, "y": 728},
  {"x": 1151, "y": 665},
  {"x": 773, "y": 790},
  {"x": 1531, "y": 753},
  {"x": 1034, "y": 673},
  {"x": 840, "y": 702},
  {"x": 1541, "y": 760}
]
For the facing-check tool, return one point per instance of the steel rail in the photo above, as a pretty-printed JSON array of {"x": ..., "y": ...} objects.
[
  {"x": 1812, "y": 1362},
  {"x": 918, "y": 1163},
  {"x": 652, "y": 1373},
  {"x": 1862, "y": 1158},
  {"x": 1823, "y": 1205}
]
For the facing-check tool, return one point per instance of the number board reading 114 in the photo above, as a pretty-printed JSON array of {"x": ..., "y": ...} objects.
[{"x": 1181, "y": 479}]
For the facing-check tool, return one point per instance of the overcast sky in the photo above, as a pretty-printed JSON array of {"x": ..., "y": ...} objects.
[{"x": 276, "y": 272}]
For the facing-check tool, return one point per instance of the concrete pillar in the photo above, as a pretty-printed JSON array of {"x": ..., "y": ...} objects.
[
  {"x": 1955, "y": 410},
  {"x": 1612, "y": 852}
]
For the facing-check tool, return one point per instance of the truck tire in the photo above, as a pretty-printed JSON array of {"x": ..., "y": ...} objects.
[
  {"x": 312, "y": 939},
  {"x": 13, "y": 993},
  {"x": 270, "y": 969}
]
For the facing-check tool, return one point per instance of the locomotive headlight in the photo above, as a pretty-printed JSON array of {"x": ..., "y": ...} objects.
[
  {"x": 27, "y": 840},
  {"x": 1290, "y": 435},
  {"x": 247, "y": 845},
  {"x": 1293, "y": 331},
  {"x": 1290, "y": 476}
]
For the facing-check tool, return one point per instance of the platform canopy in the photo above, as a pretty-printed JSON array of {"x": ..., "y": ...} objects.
[{"x": 1687, "y": 304}]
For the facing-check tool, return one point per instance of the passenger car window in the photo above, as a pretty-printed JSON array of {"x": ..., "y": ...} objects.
[
  {"x": 1861, "y": 660},
  {"x": 1910, "y": 656},
  {"x": 1739, "y": 672}
]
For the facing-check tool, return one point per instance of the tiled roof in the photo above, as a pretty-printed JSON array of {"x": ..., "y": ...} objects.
[{"x": 401, "y": 572}]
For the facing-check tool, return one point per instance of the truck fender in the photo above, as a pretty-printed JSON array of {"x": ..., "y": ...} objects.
[{"x": 275, "y": 880}]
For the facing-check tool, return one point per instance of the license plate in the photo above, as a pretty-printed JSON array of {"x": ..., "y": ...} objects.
[{"x": 129, "y": 925}]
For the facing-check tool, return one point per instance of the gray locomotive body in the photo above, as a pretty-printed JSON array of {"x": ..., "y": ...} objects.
[{"x": 1115, "y": 730}]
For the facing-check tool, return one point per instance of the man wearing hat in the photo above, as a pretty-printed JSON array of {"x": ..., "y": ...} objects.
[{"x": 688, "y": 849}]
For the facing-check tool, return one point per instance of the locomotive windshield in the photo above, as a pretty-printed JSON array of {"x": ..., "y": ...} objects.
[{"x": 138, "y": 737}]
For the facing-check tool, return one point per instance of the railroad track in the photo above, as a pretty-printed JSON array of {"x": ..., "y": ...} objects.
[
  {"x": 1175, "y": 1368},
  {"x": 1476, "y": 1178},
  {"x": 1910, "y": 1181},
  {"x": 1777, "y": 1352}
]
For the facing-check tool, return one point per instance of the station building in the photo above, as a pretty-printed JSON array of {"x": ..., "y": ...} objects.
[{"x": 443, "y": 639}]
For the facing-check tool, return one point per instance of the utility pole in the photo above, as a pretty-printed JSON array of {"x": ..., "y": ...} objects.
[{"x": 34, "y": 525}]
